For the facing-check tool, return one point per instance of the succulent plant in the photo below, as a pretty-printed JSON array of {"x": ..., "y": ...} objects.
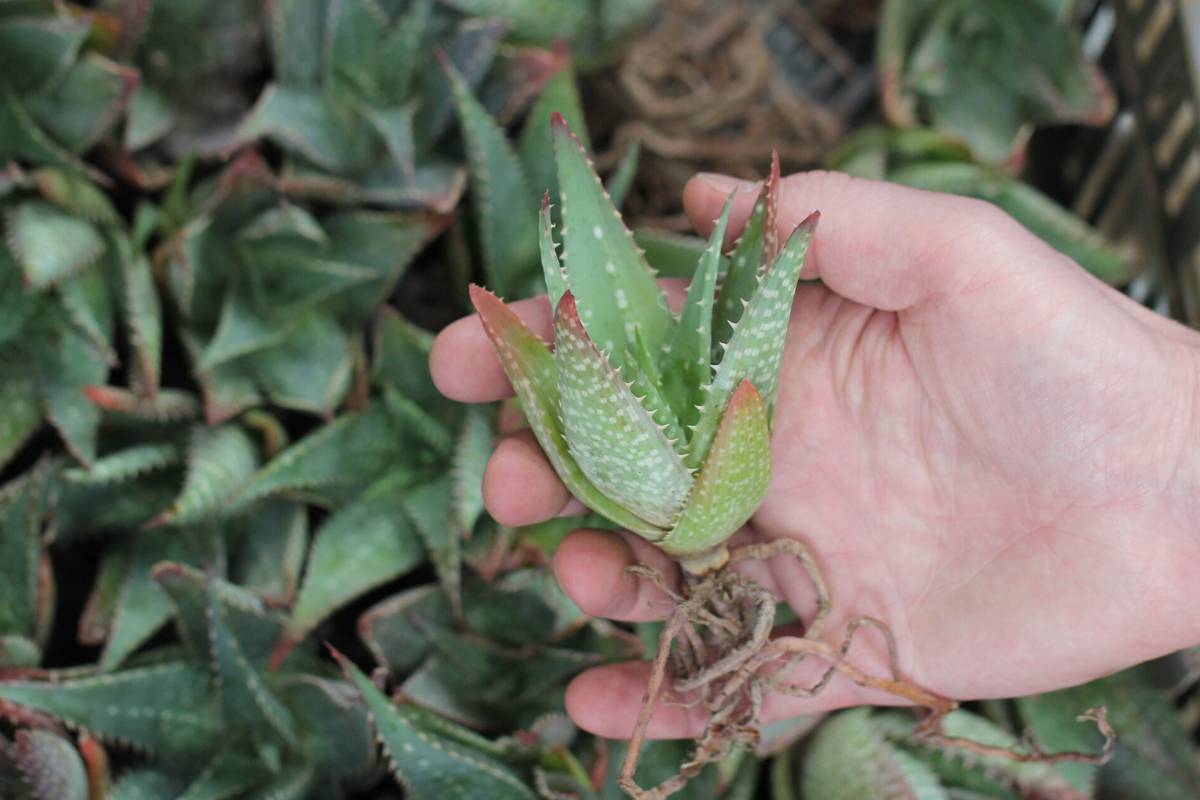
[
  {"x": 986, "y": 71},
  {"x": 639, "y": 419}
]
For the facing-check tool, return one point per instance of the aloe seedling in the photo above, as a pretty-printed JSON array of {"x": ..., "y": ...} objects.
[{"x": 661, "y": 423}]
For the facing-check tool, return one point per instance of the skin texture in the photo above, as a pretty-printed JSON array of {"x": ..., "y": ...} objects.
[{"x": 985, "y": 447}]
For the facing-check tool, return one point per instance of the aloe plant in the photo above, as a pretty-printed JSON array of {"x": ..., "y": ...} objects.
[
  {"x": 639, "y": 419},
  {"x": 986, "y": 71}
]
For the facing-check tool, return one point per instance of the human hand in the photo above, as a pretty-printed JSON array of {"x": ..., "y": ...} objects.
[{"x": 987, "y": 449}]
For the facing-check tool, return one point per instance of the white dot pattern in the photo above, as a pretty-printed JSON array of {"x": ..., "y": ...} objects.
[
  {"x": 612, "y": 438},
  {"x": 733, "y": 481}
]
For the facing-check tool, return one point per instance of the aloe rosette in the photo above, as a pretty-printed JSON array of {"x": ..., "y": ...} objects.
[{"x": 659, "y": 422}]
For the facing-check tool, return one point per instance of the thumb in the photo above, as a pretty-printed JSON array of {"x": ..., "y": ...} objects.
[{"x": 884, "y": 245}]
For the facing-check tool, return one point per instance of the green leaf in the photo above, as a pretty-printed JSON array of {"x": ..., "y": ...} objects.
[
  {"x": 428, "y": 764},
  {"x": 733, "y": 481},
  {"x": 686, "y": 368},
  {"x": 560, "y": 96},
  {"x": 246, "y": 618},
  {"x": 162, "y": 708},
  {"x": 35, "y": 51},
  {"x": 613, "y": 439},
  {"x": 143, "y": 319},
  {"x": 755, "y": 351},
  {"x": 49, "y": 243},
  {"x": 621, "y": 180},
  {"x": 50, "y": 765},
  {"x": 401, "y": 359},
  {"x": 20, "y": 551},
  {"x": 430, "y": 507},
  {"x": 314, "y": 124},
  {"x": 361, "y": 546},
  {"x": 505, "y": 217},
  {"x": 125, "y": 465},
  {"x": 219, "y": 462},
  {"x": 474, "y": 446},
  {"x": 345, "y": 453},
  {"x": 86, "y": 299},
  {"x": 744, "y": 272},
  {"x": 531, "y": 369},
  {"x": 396, "y": 630},
  {"x": 315, "y": 347},
  {"x": 245, "y": 699},
  {"x": 1154, "y": 756},
  {"x": 66, "y": 364},
  {"x": 849, "y": 759},
  {"x": 267, "y": 550},
  {"x": 605, "y": 270},
  {"x": 552, "y": 271},
  {"x": 20, "y": 411},
  {"x": 146, "y": 783},
  {"x": 85, "y": 104}
]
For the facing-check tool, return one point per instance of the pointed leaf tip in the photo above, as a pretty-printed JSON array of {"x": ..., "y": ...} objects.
[
  {"x": 546, "y": 200},
  {"x": 557, "y": 120}
]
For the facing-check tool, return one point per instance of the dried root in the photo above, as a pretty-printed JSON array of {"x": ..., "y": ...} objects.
[{"x": 717, "y": 643}]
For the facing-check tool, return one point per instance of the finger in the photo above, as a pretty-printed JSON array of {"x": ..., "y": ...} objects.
[
  {"x": 606, "y": 701},
  {"x": 880, "y": 244},
  {"x": 519, "y": 485},
  {"x": 464, "y": 364},
  {"x": 591, "y": 566}
]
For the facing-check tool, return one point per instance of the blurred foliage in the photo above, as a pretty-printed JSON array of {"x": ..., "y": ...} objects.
[{"x": 220, "y": 446}]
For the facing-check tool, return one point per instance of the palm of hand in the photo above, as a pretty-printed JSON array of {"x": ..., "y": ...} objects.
[{"x": 975, "y": 451}]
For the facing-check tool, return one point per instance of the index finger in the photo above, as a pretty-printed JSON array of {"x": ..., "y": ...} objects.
[{"x": 463, "y": 362}]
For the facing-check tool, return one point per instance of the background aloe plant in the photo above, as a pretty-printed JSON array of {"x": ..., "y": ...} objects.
[{"x": 220, "y": 446}]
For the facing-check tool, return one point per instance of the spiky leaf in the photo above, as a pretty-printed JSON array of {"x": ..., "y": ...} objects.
[
  {"x": 219, "y": 462},
  {"x": 530, "y": 367},
  {"x": 613, "y": 439},
  {"x": 49, "y": 243},
  {"x": 428, "y": 764},
  {"x": 50, "y": 765},
  {"x": 733, "y": 481}
]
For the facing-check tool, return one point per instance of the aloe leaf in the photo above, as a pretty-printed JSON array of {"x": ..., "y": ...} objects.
[
  {"x": 621, "y": 180},
  {"x": 22, "y": 137},
  {"x": 245, "y": 699},
  {"x": 169, "y": 406},
  {"x": 361, "y": 546},
  {"x": 345, "y": 453},
  {"x": 401, "y": 359},
  {"x": 85, "y": 103},
  {"x": 20, "y": 411},
  {"x": 312, "y": 123},
  {"x": 1154, "y": 756},
  {"x": 335, "y": 734},
  {"x": 143, "y": 319},
  {"x": 472, "y": 48},
  {"x": 745, "y": 269},
  {"x": 733, "y": 481},
  {"x": 20, "y": 550},
  {"x": 605, "y": 270},
  {"x": 162, "y": 708},
  {"x": 37, "y": 51},
  {"x": 193, "y": 591},
  {"x": 559, "y": 96},
  {"x": 125, "y": 465},
  {"x": 538, "y": 20},
  {"x": 66, "y": 363},
  {"x": 146, "y": 783},
  {"x": 687, "y": 364},
  {"x": 270, "y": 554},
  {"x": 659, "y": 761},
  {"x": 755, "y": 351},
  {"x": 642, "y": 375},
  {"x": 228, "y": 773},
  {"x": 49, "y": 243},
  {"x": 508, "y": 238},
  {"x": 219, "y": 462},
  {"x": 86, "y": 299},
  {"x": 50, "y": 765},
  {"x": 848, "y": 758},
  {"x": 613, "y": 439},
  {"x": 95, "y": 622},
  {"x": 531, "y": 369},
  {"x": 552, "y": 271},
  {"x": 420, "y": 424},
  {"x": 472, "y": 449},
  {"x": 430, "y": 507},
  {"x": 315, "y": 346},
  {"x": 397, "y": 630},
  {"x": 428, "y": 764}
]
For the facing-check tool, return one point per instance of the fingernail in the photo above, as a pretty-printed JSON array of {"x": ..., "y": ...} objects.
[{"x": 726, "y": 183}]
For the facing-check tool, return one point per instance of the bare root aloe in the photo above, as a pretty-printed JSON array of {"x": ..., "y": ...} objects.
[{"x": 661, "y": 423}]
